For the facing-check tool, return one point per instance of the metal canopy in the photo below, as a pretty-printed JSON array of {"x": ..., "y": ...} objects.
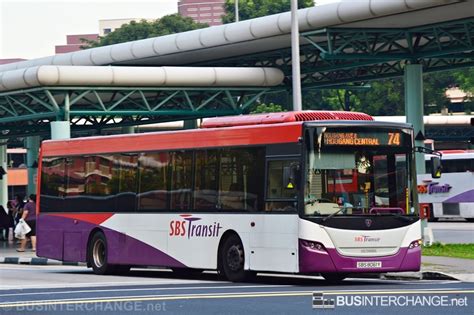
[
  {"x": 28, "y": 112},
  {"x": 336, "y": 56}
]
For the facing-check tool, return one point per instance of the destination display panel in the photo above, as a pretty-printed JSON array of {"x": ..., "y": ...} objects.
[{"x": 363, "y": 138}]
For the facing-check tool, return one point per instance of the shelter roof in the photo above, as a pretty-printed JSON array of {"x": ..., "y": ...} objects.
[{"x": 261, "y": 34}]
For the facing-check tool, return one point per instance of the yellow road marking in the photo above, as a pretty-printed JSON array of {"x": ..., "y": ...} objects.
[{"x": 221, "y": 296}]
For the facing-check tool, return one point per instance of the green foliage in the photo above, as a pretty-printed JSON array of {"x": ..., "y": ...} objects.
[
  {"x": 450, "y": 250},
  {"x": 168, "y": 24},
  {"x": 267, "y": 108},
  {"x": 249, "y": 9},
  {"x": 465, "y": 79},
  {"x": 387, "y": 97}
]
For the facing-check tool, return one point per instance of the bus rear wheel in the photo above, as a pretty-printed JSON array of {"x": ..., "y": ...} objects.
[
  {"x": 232, "y": 260},
  {"x": 97, "y": 255}
]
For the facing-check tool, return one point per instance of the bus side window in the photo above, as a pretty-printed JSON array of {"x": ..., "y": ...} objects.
[
  {"x": 241, "y": 179},
  {"x": 279, "y": 192},
  {"x": 206, "y": 180}
]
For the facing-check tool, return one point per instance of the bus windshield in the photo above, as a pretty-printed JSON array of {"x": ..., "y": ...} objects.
[{"x": 355, "y": 171}]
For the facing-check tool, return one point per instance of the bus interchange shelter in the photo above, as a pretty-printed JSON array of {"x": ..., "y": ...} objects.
[{"x": 349, "y": 42}]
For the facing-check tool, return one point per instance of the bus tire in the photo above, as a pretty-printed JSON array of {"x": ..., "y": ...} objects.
[
  {"x": 470, "y": 219},
  {"x": 334, "y": 277},
  {"x": 232, "y": 259},
  {"x": 97, "y": 255}
]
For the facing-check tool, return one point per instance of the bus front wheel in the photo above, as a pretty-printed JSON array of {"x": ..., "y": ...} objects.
[{"x": 232, "y": 259}]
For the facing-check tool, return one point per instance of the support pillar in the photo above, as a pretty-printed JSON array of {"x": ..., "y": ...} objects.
[
  {"x": 32, "y": 145},
  {"x": 4, "y": 180},
  {"x": 190, "y": 124},
  {"x": 60, "y": 130},
  {"x": 413, "y": 78},
  {"x": 128, "y": 129}
]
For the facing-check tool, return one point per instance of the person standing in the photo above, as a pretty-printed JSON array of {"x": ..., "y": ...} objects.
[
  {"x": 18, "y": 205},
  {"x": 29, "y": 215},
  {"x": 5, "y": 223}
]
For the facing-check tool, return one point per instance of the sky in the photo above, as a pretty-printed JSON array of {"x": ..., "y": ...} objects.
[{"x": 31, "y": 28}]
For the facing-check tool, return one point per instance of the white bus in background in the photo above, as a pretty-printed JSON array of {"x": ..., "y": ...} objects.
[{"x": 452, "y": 195}]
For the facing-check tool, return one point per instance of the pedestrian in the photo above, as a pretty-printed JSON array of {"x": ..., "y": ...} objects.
[
  {"x": 29, "y": 215},
  {"x": 18, "y": 205},
  {"x": 10, "y": 212},
  {"x": 5, "y": 223}
]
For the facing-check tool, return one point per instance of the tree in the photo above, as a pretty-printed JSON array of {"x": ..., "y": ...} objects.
[
  {"x": 387, "y": 97},
  {"x": 267, "y": 108},
  {"x": 168, "y": 24},
  {"x": 249, "y": 9},
  {"x": 465, "y": 78}
]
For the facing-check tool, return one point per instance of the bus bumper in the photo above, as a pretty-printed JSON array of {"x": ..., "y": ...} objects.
[{"x": 313, "y": 260}]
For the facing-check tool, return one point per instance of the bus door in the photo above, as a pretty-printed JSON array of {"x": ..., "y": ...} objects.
[{"x": 274, "y": 236}]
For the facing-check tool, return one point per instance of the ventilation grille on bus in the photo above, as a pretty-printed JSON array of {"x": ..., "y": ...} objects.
[
  {"x": 284, "y": 117},
  {"x": 331, "y": 115}
]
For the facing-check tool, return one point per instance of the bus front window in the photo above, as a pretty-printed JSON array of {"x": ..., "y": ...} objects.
[{"x": 357, "y": 181}]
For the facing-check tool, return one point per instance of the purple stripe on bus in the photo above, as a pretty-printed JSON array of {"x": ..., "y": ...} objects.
[
  {"x": 467, "y": 196},
  {"x": 66, "y": 239},
  {"x": 331, "y": 261}
]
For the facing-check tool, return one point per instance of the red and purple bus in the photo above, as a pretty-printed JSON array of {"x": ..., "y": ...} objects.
[{"x": 243, "y": 194}]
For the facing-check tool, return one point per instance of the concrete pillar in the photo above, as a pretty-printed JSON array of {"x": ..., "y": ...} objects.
[
  {"x": 190, "y": 124},
  {"x": 32, "y": 145},
  {"x": 60, "y": 130},
  {"x": 414, "y": 107},
  {"x": 4, "y": 181},
  {"x": 128, "y": 129}
]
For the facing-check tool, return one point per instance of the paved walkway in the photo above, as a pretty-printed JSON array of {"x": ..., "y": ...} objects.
[
  {"x": 9, "y": 255},
  {"x": 432, "y": 267},
  {"x": 459, "y": 268}
]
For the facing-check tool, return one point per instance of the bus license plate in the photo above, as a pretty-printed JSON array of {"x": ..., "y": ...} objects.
[{"x": 369, "y": 264}]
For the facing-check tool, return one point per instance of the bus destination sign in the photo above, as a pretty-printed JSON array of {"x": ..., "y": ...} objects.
[{"x": 362, "y": 138}]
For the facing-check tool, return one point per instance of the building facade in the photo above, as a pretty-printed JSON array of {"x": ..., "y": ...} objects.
[
  {"x": 74, "y": 43},
  {"x": 203, "y": 11}
]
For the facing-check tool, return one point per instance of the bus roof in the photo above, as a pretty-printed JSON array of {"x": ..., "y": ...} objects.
[
  {"x": 259, "y": 129},
  {"x": 282, "y": 117}
]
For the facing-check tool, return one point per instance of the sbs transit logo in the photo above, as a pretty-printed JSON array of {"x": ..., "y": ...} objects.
[
  {"x": 366, "y": 239},
  {"x": 188, "y": 227}
]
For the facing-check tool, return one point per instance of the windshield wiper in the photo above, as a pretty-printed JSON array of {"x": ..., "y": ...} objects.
[
  {"x": 396, "y": 215},
  {"x": 333, "y": 214}
]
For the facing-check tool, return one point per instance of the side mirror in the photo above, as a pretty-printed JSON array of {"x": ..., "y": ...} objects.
[
  {"x": 436, "y": 167},
  {"x": 2, "y": 172},
  {"x": 290, "y": 176}
]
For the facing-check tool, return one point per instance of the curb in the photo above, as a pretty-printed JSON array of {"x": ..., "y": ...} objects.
[
  {"x": 425, "y": 275},
  {"x": 437, "y": 275},
  {"x": 37, "y": 261}
]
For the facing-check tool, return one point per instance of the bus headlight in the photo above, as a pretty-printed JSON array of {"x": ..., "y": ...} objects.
[
  {"x": 316, "y": 246},
  {"x": 414, "y": 244}
]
